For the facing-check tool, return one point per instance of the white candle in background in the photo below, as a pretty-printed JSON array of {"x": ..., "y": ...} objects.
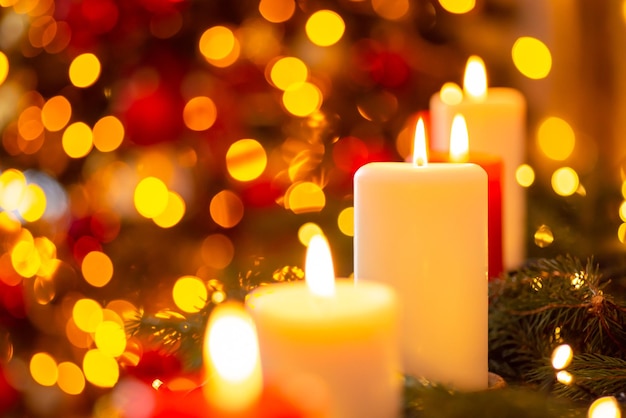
[
  {"x": 422, "y": 228},
  {"x": 496, "y": 123},
  {"x": 342, "y": 336}
]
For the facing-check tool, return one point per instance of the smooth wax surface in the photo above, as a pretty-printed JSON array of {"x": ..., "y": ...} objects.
[
  {"x": 423, "y": 230},
  {"x": 346, "y": 345}
]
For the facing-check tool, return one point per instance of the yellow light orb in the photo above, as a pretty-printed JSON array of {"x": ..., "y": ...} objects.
[
  {"x": 77, "y": 140},
  {"x": 562, "y": 356},
  {"x": 277, "y": 11},
  {"x": 100, "y": 369},
  {"x": 97, "y": 268},
  {"x": 4, "y": 67},
  {"x": 308, "y": 231},
  {"x": 305, "y": 197},
  {"x": 605, "y": 407},
  {"x": 87, "y": 314},
  {"x": 525, "y": 175},
  {"x": 345, "y": 221},
  {"x": 43, "y": 369},
  {"x": 246, "y": 160},
  {"x": 151, "y": 197},
  {"x": 190, "y": 294},
  {"x": 108, "y": 134},
  {"x": 325, "y": 28},
  {"x": 84, "y": 70},
  {"x": 556, "y": 138},
  {"x": 287, "y": 71},
  {"x": 200, "y": 113},
  {"x": 110, "y": 338},
  {"x": 532, "y": 57},
  {"x": 25, "y": 258},
  {"x": 302, "y": 99},
  {"x": 219, "y": 46},
  {"x": 565, "y": 181},
  {"x": 56, "y": 113},
  {"x": 33, "y": 203},
  {"x": 71, "y": 379},
  {"x": 458, "y": 6},
  {"x": 173, "y": 212}
]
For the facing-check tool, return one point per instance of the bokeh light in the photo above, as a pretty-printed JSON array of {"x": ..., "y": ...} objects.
[
  {"x": 302, "y": 99},
  {"x": 71, "y": 379},
  {"x": 226, "y": 209},
  {"x": 246, "y": 160},
  {"x": 307, "y": 231},
  {"x": 451, "y": 94},
  {"x": 56, "y": 113},
  {"x": 151, "y": 197},
  {"x": 33, "y": 203},
  {"x": 4, "y": 67},
  {"x": 565, "y": 181},
  {"x": 605, "y": 407},
  {"x": 562, "y": 356},
  {"x": 277, "y": 11},
  {"x": 525, "y": 175},
  {"x": 108, "y": 133},
  {"x": 77, "y": 140},
  {"x": 97, "y": 268},
  {"x": 325, "y": 28},
  {"x": 532, "y": 57},
  {"x": 173, "y": 212},
  {"x": 200, "y": 113},
  {"x": 190, "y": 294},
  {"x": 217, "y": 251},
  {"x": 287, "y": 71},
  {"x": 219, "y": 46},
  {"x": 84, "y": 70},
  {"x": 44, "y": 369},
  {"x": 391, "y": 9},
  {"x": 87, "y": 314},
  {"x": 345, "y": 221},
  {"x": 458, "y": 6},
  {"x": 110, "y": 338},
  {"x": 305, "y": 197},
  {"x": 100, "y": 369},
  {"x": 556, "y": 138}
]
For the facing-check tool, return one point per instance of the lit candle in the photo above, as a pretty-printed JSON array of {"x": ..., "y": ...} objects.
[
  {"x": 231, "y": 354},
  {"x": 339, "y": 335},
  {"x": 496, "y": 122},
  {"x": 422, "y": 227}
]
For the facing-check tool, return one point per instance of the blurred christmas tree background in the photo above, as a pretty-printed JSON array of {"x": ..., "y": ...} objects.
[{"x": 154, "y": 151}]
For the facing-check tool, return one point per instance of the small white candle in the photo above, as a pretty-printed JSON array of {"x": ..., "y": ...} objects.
[
  {"x": 496, "y": 123},
  {"x": 231, "y": 354},
  {"x": 422, "y": 228},
  {"x": 343, "y": 337}
]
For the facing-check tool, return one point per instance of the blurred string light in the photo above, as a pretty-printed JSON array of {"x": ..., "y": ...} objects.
[
  {"x": 246, "y": 160},
  {"x": 458, "y": 6},
  {"x": 325, "y": 28},
  {"x": 556, "y": 138},
  {"x": 525, "y": 175},
  {"x": 532, "y": 57},
  {"x": 277, "y": 11},
  {"x": 84, "y": 70},
  {"x": 391, "y": 9},
  {"x": 565, "y": 181},
  {"x": 605, "y": 407},
  {"x": 219, "y": 46},
  {"x": 190, "y": 294},
  {"x": 4, "y": 67}
]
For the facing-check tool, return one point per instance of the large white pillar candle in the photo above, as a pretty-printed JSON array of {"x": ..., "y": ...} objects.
[
  {"x": 422, "y": 228},
  {"x": 496, "y": 123},
  {"x": 342, "y": 336}
]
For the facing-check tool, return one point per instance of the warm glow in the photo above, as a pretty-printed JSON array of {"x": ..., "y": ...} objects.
[
  {"x": 459, "y": 140},
  {"x": 302, "y": 99},
  {"x": 345, "y": 221},
  {"x": 231, "y": 352},
  {"x": 71, "y": 379},
  {"x": 556, "y": 138},
  {"x": 151, "y": 197},
  {"x": 458, "y": 6},
  {"x": 420, "y": 157},
  {"x": 226, "y": 209},
  {"x": 173, "y": 212},
  {"x": 108, "y": 134},
  {"x": 246, "y": 160},
  {"x": 200, "y": 113},
  {"x": 532, "y": 57},
  {"x": 605, "y": 407},
  {"x": 190, "y": 294},
  {"x": 287, "y": 71},
  {"x": 4, "y": 67},
  {"x": 451, "y": 94},
  {"x": 565, "y": 181},
  {"x": 325, "y": 28},
  {"x": 562, "y": 356},
  {"x": 318, "y": 269},
  {"x": 84, "y": 70},
  {"x": 525, "y": 175},
  {"x": 100, "y": 369},
  {"x": 475, "y": 79},
  {"x": 77, "y": 140},
  {"x": 56, "y": 113},
  {"x": 565, "y": 377},
  {"x": 43, "y": 369},
  {"x": 97, "y": 268},
  {"x": 110, "y": 338},
  {"x": 277, "y": 11}
]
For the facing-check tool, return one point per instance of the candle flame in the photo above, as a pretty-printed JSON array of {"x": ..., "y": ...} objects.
[
  {"x": 459, "y": 140},
  {"x": 475, "y": 79},
  {"x": 231, "y": 351},
  {"x": 318, "y": 269},
  {"x": 605, "y": 407},
  {"x": 419, "y": 145}
]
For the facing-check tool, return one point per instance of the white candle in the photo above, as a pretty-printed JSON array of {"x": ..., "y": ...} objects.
[
  {"x": 231, "y": 355},
  {"x": 344, "y": 338},
  {"x": 422, "y": 228},
  {"x": 496, "y": 122}
]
